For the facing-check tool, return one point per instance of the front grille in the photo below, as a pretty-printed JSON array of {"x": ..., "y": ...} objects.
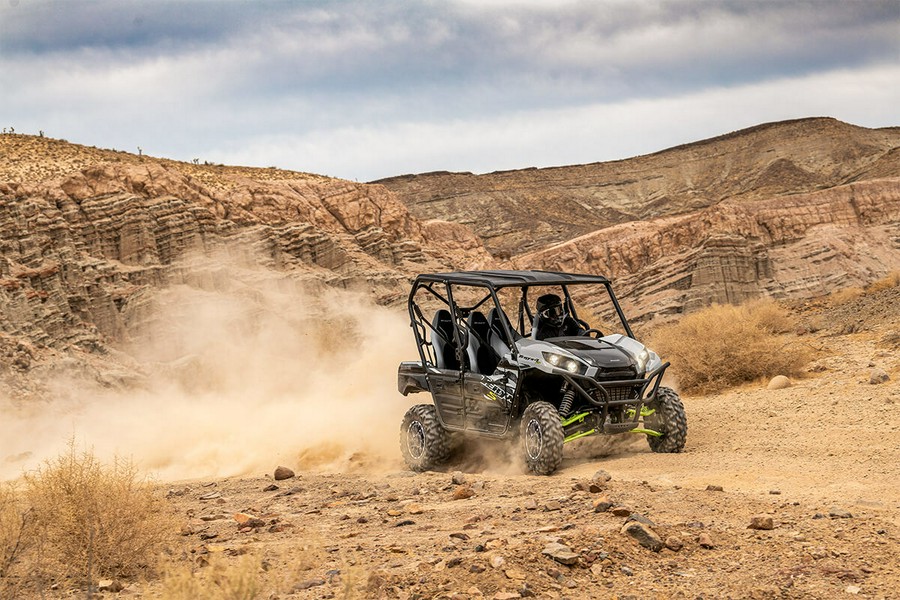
[{"x": 621, "y": 392}]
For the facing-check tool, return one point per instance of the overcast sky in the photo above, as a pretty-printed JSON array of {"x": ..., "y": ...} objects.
[{"x": 369, "y": 89}]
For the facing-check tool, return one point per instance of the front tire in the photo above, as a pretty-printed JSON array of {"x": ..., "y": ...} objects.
[
  {"x": 541, "y": 438},
  {"x": 424, "y": 444},
  {"x": 669, "y": 419}
]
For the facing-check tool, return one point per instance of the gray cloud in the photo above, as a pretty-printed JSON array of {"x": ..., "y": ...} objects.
[{"x": 184, "y": 77}]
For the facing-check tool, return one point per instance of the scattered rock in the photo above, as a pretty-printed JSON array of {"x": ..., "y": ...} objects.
[
  {"x": 705, "y": 541},
  {"x": 414, "y": 508},
  {"x": 878, "y": 376},
  {"x": 213, "y": 517},
  {"x": 775, "y": 492},
  {"x": 290, "y": 492},
  {"x": 593, "y": 487},
  {"x": 620, "y": 511},
  {"x": 779, "y": 382},
  {"x": 715, "y": 488},
  {"x": 211, "y": 496},
  {"x": 602, "y": 504},
  {"x": 270, "y": 488},
  {"x": 110, "y": 585},
  {"x": 282, "y": 473},
  {"x": 674, "y": 543},
  {"x": 601, "y": 476},
  {"x": 561, "y": 553},
  {"x": 853, "y": 589},
  {"x": 497, "y": 561},
  {"x": 626, "y": 570},
  {"x": 645, "y": 536},
  {"x": 531, "y": 504},
  {"x": 505, "y": 596},
  {"x": 552, "y": 505},
  {"x": 309, "y": 583},
  {"x": 515, "y": 574},
  {"x": 458, "y": 478},
  {"x": 404, "y": 523},
  {"x": 836, "y": 512},
  {"x": 640, "y": 519},
  {"x": 460, "y": 536},
  {"x": 476, "y": 568},
  {"x": 247, "y": 520},
  {"x": 462, "y": 492},
  {"x": 761, "y": 522}
]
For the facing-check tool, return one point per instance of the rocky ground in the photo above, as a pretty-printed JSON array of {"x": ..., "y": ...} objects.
[{"x": 780, "y": 493}]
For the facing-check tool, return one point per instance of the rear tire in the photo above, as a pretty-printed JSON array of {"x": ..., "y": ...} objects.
[
  {"x": 669, "y": 420},
  {"x": 541, "y": 438},
  {"x": 424, "y": 444}
]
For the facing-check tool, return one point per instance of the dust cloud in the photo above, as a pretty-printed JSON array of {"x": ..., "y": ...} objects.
[{"x": 236, "y": 369}]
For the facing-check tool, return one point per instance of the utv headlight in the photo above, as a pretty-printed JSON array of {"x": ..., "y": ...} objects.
[
  {"x": 641, "y": 360},
  {"x": 564, "y": 362}
]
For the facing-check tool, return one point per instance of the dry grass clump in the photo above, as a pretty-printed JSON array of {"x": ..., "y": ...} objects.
[
  {"x": 845, "y": 295},
  {"x": 16, "y": 540},
  {"x": 891, "y": 280},
  {"x": 94, "y": 521},
  {"x": 724, "y": 345},
  {"x": 218, "y": 581}
]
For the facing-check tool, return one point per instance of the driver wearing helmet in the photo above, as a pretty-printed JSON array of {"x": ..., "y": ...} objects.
[{"x": 552, "y": 319}]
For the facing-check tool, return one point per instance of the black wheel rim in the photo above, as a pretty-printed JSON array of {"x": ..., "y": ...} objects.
[
  {"x": 534, "y": 439},
  {"x": 415, "y": 440}
]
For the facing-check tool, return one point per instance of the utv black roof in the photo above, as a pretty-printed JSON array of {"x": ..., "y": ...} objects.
[{"x": 500, "y": 279}]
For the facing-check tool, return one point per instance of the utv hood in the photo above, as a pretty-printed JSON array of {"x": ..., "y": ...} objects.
[{"x": 610, "y": 359}]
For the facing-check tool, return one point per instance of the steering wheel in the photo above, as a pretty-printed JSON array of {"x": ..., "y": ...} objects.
[{"x": 599, "y": 334}]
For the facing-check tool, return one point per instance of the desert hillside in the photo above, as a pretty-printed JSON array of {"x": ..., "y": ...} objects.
[{"x": 785, "y": 210}]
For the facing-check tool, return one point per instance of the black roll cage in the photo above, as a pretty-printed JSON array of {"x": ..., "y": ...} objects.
[{"x": 492, "y": 281}]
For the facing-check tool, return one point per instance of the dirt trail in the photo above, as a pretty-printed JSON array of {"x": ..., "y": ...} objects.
[{"x": 821, "y": 458}]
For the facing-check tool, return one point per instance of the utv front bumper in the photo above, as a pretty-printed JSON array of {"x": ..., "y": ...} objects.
[{"x": 635, "y": 394}]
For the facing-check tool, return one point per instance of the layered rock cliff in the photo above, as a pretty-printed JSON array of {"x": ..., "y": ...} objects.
[
  {"x": 791, "y": 209},
  {"x": 516, "y": 212},
  {"x": 83, "y": 239},
  {"x": 796, "y": 246}
]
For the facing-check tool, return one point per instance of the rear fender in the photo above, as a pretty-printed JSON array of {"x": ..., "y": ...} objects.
[{"x": 411, "y": 378}]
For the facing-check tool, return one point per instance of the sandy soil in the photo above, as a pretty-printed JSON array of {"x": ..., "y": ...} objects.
[{"x": 821, "y": 458}]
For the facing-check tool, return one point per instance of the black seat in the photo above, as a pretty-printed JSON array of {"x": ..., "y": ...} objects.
[
  {"x": 443, "y": 341},
  {"x": 497, "y": 335},
  {"x": 482, "y": 356}
]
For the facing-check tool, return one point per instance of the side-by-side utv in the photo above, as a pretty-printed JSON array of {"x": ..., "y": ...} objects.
[{"x": 545, "y": 377}]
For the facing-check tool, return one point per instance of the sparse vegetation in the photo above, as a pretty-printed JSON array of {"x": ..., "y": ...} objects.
[
  {"x": 891, "y": 280},
  {"x": 218, "y": 581},
  {"x": 94, "y": 520},
  {"x": 16, "y": 527},
  {"x": 725, "y": 345}
]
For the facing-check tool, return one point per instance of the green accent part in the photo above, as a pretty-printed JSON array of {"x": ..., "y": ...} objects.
[
  {"x": 574, "y": 419},
  {"x": 581, "y": 434},
  {"x": 646, "y": 411},
  {"x": 646, "y": 431}
]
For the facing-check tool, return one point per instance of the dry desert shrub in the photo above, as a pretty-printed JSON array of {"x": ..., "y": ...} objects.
[
  {"x": 842, "y": 296},
  {"x": 16, "y": 540},
  {"x": 218, "y": 581},
  {"x": 891, "y": 280},
  {"x": 94, "y": 520},
  {"x": 725, "y": 345}
]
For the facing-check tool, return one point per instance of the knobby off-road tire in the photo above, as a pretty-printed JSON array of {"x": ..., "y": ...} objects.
[
  {"x": 541, "y": 438},
  {"x": 669, "y": 420},
  {"x": 423, "y": 442}
]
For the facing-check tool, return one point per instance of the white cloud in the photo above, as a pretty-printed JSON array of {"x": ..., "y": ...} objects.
[
  {"x": 361, "y": 89},
  {"x": 595, "y": 132}
]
